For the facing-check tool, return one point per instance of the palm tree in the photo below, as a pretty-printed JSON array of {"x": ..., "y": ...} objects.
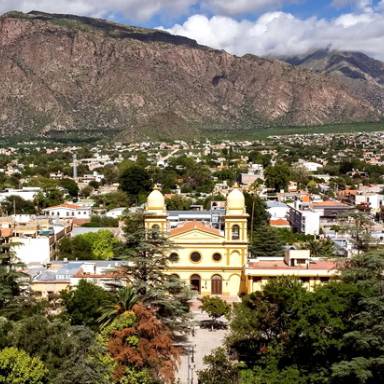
[
  {"x": 320, "y": 247},
  {"x": 126, "y": 298}
]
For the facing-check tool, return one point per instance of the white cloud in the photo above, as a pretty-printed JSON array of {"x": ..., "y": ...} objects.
[
  {"x": 280, "y": 33},
  {"x": 238, "y": 7},
  {"x": 131, "y": 9}
]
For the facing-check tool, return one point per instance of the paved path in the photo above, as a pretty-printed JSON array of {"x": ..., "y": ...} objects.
[{"x": 198, "y": 346}]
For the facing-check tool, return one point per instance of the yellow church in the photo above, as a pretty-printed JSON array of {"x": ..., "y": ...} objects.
[{"x": 208, "y": 259}]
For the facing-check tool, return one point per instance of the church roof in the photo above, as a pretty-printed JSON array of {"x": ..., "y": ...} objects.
[{"x": 191, "y": 225}]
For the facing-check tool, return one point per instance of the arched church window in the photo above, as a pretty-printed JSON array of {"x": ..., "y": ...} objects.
[{"x": 235, "y": 232}]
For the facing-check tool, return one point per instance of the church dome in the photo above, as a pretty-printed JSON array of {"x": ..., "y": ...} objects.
[
  {"x": 236, "y": 201},
  {"x": 155, "y": 200}
]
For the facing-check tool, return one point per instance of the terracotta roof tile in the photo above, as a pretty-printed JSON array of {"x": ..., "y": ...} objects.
[
  {"x": 6, "y": 232},
  {"x": 67, "y": 205},
  {"x": 191, "y": 225},
  {"x": 278, "y": 222},
  {"x": 280, "y": 264},
  {"x": 329, "y": 203}
]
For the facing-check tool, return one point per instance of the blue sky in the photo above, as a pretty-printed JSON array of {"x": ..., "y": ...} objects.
[{"x": 261, "y": 27}]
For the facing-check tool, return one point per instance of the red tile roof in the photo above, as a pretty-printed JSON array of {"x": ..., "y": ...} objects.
[
  {"x": 280, "y": 264},
  {"x": 67, "y": 206},
  {"x": 6, "y": 232},
  {"x": 329, "y": 203},
  {"x": 279, "y": 222},
  {"x": 192, "y": 225}
]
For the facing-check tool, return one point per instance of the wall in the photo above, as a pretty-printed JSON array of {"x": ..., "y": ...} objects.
[{"x": 32, "y": 250}]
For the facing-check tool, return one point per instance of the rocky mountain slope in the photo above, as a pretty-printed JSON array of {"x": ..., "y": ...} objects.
[
  {"x": 359, "y": 72},
  {"x": 62, "y": 73}
]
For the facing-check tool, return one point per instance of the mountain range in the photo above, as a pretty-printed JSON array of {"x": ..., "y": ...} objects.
[{"x": 65, "y": 74}]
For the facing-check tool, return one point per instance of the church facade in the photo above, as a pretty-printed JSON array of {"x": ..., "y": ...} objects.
[{"x": 208, "y": 259}]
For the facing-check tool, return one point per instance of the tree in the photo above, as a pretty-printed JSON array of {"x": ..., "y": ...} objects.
[
  {"x": 124, "y": 300},
  {"x": 98, "y": 245},
  {"x": 17, "y": 204},
  {"x": 320, "y": 247},
  {"x": 9, "y": 275},
  {"x": 17, "y": 367},
  {"x": 148, "y": 255},
  {"x": 358, "y": 225},
  {"x": 330, "y": 335},
  {"x": 215, "y": 307},
  {"x": 266, "y": 242},
  {"x": 220, "y": 369},
  {"x": 257, "y": 211},
  {"x": 178, "y": 203},
  {"x": 135, "y": 181},
  {"x": 137, "y": 339},
  {"x": 70, "y": 353},
  {"x": 70, "y": 186},
  {"x": 277, "y": 176},
  {"x": 83, "y": 304}
]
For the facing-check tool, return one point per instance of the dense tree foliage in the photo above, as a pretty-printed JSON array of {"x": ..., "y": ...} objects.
[
  {"x": 84, "y": 304},
  {"x": 17, "y": 367},
  {"x": 286, "y": 334},
  {"x": 98, "y": 245},
  {"x": 265, "y": 241},
  {"x": 148, "y": 256},
  {"x": 136, "y": 182}
]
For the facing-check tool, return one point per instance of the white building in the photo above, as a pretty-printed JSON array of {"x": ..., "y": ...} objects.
[
  {"x": 69, "y": 210},
  {"x": 305, "y": 221},
  {"x": 277, "y": 209},
  {"x": 373, "y": 200},
  {"x": 31, "y": 250},
  {"x": 310, "y": 166},
  {"x": 26, "y": 193},
  {"x": 116, "y": 212}
]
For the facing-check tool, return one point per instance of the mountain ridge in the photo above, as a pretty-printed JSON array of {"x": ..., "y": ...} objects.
[{"x": 66, "y": 73}]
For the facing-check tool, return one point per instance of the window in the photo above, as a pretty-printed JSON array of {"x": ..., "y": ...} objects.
[
  {"x": 235, "y": 232},
  {"x": 174, "y": 257},
  {"x": 195, "y": 257},
  {"x": 216, "y": 256}
]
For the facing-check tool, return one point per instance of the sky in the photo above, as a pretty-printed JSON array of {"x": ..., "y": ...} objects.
[{"x": 261, "y": 27}]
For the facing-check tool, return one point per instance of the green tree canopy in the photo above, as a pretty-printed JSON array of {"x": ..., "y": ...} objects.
[
  {"x": 135, "y": 181},
  {"x": 266, "y": 242},
  {"x": 277, "y": 176},
  {"x": 84, "y": 304},
  {"x": 17, "y": 367}
]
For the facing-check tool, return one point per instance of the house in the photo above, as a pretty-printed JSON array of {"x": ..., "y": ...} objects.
[
  {"x": 26, "y": 193},
  {"x": 304, "y": 220},
  {"x": 69, "y": 210},
  {"x": 277, "y": 209},
  {"x": 296, "y": 263}
]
